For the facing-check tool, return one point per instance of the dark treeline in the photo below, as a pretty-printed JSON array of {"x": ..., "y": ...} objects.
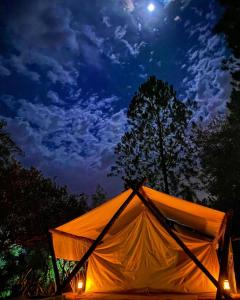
[{"x": 178, "y": 155}]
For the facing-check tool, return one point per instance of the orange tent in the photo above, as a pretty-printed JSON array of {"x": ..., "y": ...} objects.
[{"x": 137, "y": 254}]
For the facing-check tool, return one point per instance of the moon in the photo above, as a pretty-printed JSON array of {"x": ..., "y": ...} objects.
[{"x": 151, "y": 7}]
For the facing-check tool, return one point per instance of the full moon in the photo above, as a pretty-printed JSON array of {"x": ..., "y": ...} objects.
[{"x": 151, "y": 7}]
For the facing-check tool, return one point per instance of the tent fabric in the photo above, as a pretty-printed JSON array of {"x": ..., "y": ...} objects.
[
  {"x": 69, "y": 248},
  {"x": 201, "y": 218},
  {"x": 143, "y": 258},
  {"x": 137, "y": 254}
]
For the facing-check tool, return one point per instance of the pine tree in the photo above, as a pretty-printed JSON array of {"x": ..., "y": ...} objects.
[{"x": 156, "y": 145}]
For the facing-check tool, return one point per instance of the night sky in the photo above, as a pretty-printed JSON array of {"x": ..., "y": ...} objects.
[{"x": 68, "y": 70}]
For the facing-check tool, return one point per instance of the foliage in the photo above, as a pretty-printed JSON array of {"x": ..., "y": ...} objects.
[
  {"x": 11, "y": 259},
  {"x": 7, "y": 147},
  {"x": 99, "y": 196},
  {"x": 30, "y": 205},
  {"x": 220, "y": 156},
  {"x": 225, "y": 142},
  {"x": 156, "y": 145},
  {"x": 219, "y": 146},
  {"x": 220, "y": 142},
  {"x": 229, "y": 24}
]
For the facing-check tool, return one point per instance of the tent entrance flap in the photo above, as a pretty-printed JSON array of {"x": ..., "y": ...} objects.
[{"x": 140, "y": 251}]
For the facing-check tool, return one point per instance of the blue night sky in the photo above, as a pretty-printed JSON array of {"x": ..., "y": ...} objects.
[{"x": 68, "y": 70}]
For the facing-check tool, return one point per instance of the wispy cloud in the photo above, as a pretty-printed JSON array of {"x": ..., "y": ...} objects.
[
  {"x": 207, "y": 82},
  {"x": 81, "y": 137}
]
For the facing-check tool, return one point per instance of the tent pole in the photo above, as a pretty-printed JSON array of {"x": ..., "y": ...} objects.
[
  {"x": 162, "y": 220},
  {"x": 99, "y": 238},
  {"x": 223, "y": 273},
  {"x": 54, "y": 262}
]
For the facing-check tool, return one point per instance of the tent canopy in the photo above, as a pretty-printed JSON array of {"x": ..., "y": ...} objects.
[
  {"x": 204, "y": 219},
  {"x": 137, "y": 253}
]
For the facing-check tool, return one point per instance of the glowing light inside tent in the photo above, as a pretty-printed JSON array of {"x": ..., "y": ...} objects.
[
  {"x": 88, "y": 284},
  {"x": 226, "y": 285},
  {"x": 151, "y": 7},
  {"x": 80, "y": 285}
]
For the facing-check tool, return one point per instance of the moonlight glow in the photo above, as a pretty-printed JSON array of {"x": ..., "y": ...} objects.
[{"x": 151, "y": 7}]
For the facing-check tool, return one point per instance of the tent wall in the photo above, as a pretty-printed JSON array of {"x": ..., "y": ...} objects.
[
  {"x": 143, "y": 257},
  {"x": 69, "y": 248}
]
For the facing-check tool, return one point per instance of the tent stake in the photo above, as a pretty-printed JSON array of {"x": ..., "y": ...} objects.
[
  {"x": 54, "y": 262},
  {"x": 223, "y": 273},
  {"x": 99, "y": 239},
  {"x": 162, "y": 220}
]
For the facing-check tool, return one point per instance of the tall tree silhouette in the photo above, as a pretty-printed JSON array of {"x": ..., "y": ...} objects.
[{"x": 155, "y": 145}]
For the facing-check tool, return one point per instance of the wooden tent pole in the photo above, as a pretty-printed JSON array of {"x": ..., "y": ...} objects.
[
  {"x": 223, "y": 273},
  {"x": 99, "y": 238},
  {"x": 162, "y": 220},
  {"x": 54, "y": 261}
]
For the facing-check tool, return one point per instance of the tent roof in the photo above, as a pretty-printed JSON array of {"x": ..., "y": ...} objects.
[{"x": 203, "y": 219}]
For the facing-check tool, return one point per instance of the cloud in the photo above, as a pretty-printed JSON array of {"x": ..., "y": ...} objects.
[
  {"x": 106, "y": 21},
  {"x": 91, "y": 55},
  {"x": 114, "y": 58},
  {"x": 42, "y": 25},
  {"x": 21, "y": 67},
  {"x": 177, "y": 19},
  {"x": 4, "y": 71},
  {"x": 8, "y": 101},
  {"x": 77, "y": 141},
  {"x": 54, "y": 97},
  {"x": 120, "y": 32},
  {"x": 134, "y": 49},
  {"x": 184, "y": 3},
  {"x": 92, "y": 36},
  {"x": 55, "y": 40},
  {"x": 206, "y": 81},
  {"x": 42, "y": 35},
  {"x": 128, "y": 5}
]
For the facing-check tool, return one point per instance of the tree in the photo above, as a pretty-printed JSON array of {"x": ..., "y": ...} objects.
[
  {"x": 8, "y": 148},
  {"x": 229, "y": 26},
  {"x": 155, "y": 145},
  {"x": 98, "y": 197},
  {"x": 219, "y": 154},
  {"x": 228, "y": 137},
  {"x": 220, "y": 157},
  {"x": 30, "y": 205}
]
